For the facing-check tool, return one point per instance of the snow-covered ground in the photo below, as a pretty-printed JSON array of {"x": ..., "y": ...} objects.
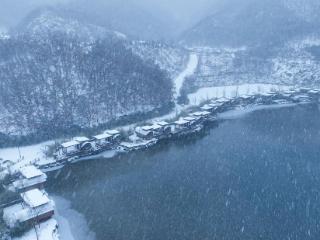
[
  {"x": 45, "y": 231},
  {"x": 238, "y": 113},
  {"x": 191, "y": 68},
  {"x": 204, "y": 94},
  {"x": 72, "y": 225},
  {"x": 28, "y": 153},
  {"x": 24, "y": 156}
]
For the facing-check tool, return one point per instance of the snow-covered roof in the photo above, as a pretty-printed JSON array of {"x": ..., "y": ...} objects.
[
  {"x": 75, "y": 142},
  {"x": 35, "y": 198},
  {"x": 112, "y": 132},
  {"x": 162, "y": 123},
  {"x": 30, "y": 172},
  {"x": 290, "y": 91},
  {"x": 152, "y": 127},
  {"x": 181, "y": 122},
  {"x": 207, "y": 107},
  {"x": 301, "y": 96},
  {"x": 200, "y": 114},
  {"x": 222, "y": 100},
  {"x": 246, "y": 96},
  {"x": 102, "y": 136},
  {"x": 189, "y": 118},
  {"x": 70, "y": 144},
  {"x": 156, "y": 127},
  {"x": 147, "y": 128},
  {"x": 214, "y": 104},
  {"x": 142, "y": 131},
  {"x": 81, "y": 139},
  {"x": 314, "y": 91}
]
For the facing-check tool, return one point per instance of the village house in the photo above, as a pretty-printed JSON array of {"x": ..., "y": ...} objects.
[
  {"x": 146, "y": 132},
  {"x": 34, "y": 208},
  {"x": 73, "y": 147},
  {"x": 165, "y": 127},
  {"x": 204, "y": 116},
  {"x": 28, "y": 178},
  {"x": 103, "y": 141}
]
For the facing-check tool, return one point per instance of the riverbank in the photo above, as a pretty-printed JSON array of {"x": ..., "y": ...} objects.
[
  {"x": 36, "y": 153},
  {"x": 242, "y": 91},
  {"x": 222, "y": 183}
]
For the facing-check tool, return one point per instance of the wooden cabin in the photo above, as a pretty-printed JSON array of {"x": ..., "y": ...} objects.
[
  {"x": 29, "y": 177},
  {"x": 35, "y": 207}
]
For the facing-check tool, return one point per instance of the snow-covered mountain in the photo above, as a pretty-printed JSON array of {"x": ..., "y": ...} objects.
[
  {"x": 58, "y": 73},
  {"x": 296, "y": 63},
  {"x": 42, "y": 22},
  {"x": 169, "y": 57},
  {"x": 251, "y": 22}
]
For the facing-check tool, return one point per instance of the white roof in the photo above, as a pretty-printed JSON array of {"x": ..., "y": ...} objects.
[
  {"x": 222, "y": 100},
  {"x": 204, "y": 113},
  {"x": 35, "y": 198},
  {"x": 189, "y": 118},
  {"x": 102, "y": 136},
  {"x": 301, "y": 96},
  {"x": 215, "y": 104},
  {"x": 156, "y": 126},
  {"x": 75, "y": 142},
  {"x": 81, "y": 139},
  {"x": 181, "y": 122},
  {"x": 69, "y": 144},
  {"x": 314, "y": 91},
  {"x": 147, "y": 128},
  {"x": 207, "y": 107},
  {"x": 162, "y": 123},
  {"x": 267, "y": 94},
  {"x": 246, "y": 96},
  {"x": 290, "y": 91},
  {"x": 30, "y": 172},
  {"x": 112, "y": 132}
]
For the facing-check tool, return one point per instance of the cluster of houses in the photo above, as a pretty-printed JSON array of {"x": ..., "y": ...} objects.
[
  {"x": 148, "y": 135},
  {"x": 32, "y": 205}
]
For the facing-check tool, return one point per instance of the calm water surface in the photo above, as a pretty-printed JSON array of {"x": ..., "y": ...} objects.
[{"x": 256, "y": 177}]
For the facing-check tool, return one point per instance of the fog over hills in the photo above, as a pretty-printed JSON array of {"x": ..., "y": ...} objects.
[
  {"x": 250, "y": 22},
  {"x": 157, "y": 19}
]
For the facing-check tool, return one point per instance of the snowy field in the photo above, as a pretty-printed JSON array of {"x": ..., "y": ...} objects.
[
  {"x": 28, "y": 153},
  {"x": 204, "y": 94},
  {"x": 239, "y": 113}
]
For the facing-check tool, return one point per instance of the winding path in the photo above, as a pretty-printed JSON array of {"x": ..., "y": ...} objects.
[{"x": 190, "y": 69}]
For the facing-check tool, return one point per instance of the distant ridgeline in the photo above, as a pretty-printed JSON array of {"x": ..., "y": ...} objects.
[{"x": 52, "y": 80}]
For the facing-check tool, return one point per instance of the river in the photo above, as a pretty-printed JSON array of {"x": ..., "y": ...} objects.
[{"x": 251, "y": 177}]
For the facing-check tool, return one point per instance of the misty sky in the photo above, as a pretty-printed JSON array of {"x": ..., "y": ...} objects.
[{"x": 184, "y": 11}]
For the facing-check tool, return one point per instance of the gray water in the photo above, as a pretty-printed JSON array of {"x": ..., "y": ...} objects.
[{"x": 256, "y": 177}]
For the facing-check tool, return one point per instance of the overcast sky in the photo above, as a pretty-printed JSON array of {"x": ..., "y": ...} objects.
[{"x": 185, "y": 11}]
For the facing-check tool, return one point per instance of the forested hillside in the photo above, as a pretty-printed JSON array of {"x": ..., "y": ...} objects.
[{"x": 52, "y": 79}]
